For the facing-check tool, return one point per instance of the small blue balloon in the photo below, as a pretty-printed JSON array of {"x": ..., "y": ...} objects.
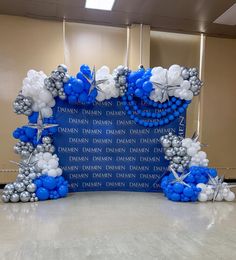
[
  {"x": 72, "y": 100},
  {"x": 63, "y": 190},
  {"x": 178, "y": 187},
  {"x": 68, "y": 88},
  {"x": 83, "y": 97},
  {"x": 138, "y": 92},
  {"x": 49, "y": 183},
  {"x": 38, "y": 183},
  {"x": 188, "y": 191},
  {"x": 77, "y": 86},
  {"x": 175, "y": 196},
  {"x": 147, "y": 86},
  {"x": 42, "y": 193}
]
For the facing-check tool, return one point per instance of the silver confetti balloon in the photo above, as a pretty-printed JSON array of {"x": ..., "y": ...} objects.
[
  {"x": 31, "y": 187},
  {"x": 23, "y": 149},
  {"x": 14, "y": 198},
  {"x": 55, "y": 82},
  {"x": 19, "y": 186},
  {"x": 47, "y": 140},
  {"x": 175, "y": 152},
  {"x": 5, "y": 198},
  {"x": 25, "y": 196},
  {"x": 23, "y": 105},
  {"x": 120, "y": 76}
]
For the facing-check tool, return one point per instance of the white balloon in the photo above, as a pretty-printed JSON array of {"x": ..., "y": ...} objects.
[
  {"x": 191, "y": 151},
  {"x": 202, "y": 186},
  {"x": 53, "y": 164},
  {"x": 219, "y": 197},
  {"x": 59, "y": 171},
  {"x": 47, "y": 156},
  {"x": 202, "y": 197},
  {"x": 52, "y": 172},
  {"x": 41, "y": 164},
  {"x": 230, "y": 196}
]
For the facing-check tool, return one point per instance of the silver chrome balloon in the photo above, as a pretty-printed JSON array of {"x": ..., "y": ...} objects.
[
  {"x": 23, "y": 105},
  {"x": 55, "y": 82},
  {"x": 25, "y": 196},
  {"x": 120, "y": 76}
]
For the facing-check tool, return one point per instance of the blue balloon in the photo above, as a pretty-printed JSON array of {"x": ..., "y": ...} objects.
[
  {"x": 175, "y": 196},
  {"x": 138, "y": 92},
  {"x": 139, "y": 83},
  {"x": 63, "y": 190},
  {"x": 49, "y": 183},
  {"x": 30, "y": 132},
  {"x": 85, "y": 70},
  {"x": 72, "y": 100},
  {"x": 83, "y": 97},
  {"x": 33, "y": 117},
  {"x": 38, "y": 183},
  {"x": 178, "y": 187},
  {"x": 68, "y": 88},
  {"x": 147, "y": 86},
  {"x": 188, "y": 191},
  {"x": 77, "y": 86},
  {"x": 42, "y": 193}
]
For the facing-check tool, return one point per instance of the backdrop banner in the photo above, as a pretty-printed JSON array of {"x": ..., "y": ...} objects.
[{"x": 101, "y": 148}]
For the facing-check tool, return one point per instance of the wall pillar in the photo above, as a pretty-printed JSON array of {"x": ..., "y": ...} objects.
[{"x": 139, "y": 46}]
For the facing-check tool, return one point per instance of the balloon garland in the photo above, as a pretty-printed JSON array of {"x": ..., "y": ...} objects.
[
  {"x": 40, "y": 176},
  {"x": 189, "y": 178}
]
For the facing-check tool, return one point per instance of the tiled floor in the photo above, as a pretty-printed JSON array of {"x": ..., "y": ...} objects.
[{"x": 117, "y": 225}]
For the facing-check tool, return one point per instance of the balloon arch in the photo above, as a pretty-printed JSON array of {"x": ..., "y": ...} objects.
[{"x": 169, "y": 90}]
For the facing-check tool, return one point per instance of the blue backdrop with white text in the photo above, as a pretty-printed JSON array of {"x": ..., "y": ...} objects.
[{"x": 101, "y": 148}]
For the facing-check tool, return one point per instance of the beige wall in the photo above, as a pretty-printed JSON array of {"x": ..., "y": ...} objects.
[
  {"x": 175, "y": 48},
  {"x": 219, "y": 104},
  {"x": 25, "y": 44},
  {"x": 94, "y": 45}
]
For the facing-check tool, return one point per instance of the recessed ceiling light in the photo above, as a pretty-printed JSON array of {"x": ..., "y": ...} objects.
[
  {"x": 100, "y": 4},
  {"x": 228, "y": 17}
]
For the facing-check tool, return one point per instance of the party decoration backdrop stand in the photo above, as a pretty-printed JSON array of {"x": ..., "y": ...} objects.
[{"x": 151, "y": 98}]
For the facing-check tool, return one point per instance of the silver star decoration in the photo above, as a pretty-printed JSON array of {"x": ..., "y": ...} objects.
[
  {"x": 218, "y": 185},
  {"x": 40, "y": 126},
  {"x": 25, "y": 163},
  {"x": 181, "y": 178},
  {"x": 165, "y": 89},
  {"x": 93, "y": 82},
  {"x": 195, "y": 138}
]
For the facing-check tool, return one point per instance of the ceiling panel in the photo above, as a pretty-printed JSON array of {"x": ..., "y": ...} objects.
[{"x": 191, "y": 16}]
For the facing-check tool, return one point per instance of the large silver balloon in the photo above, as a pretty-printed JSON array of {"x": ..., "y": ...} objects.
[
  {"x": 14, "y": 197},
  {"x": 25, "y": 196},
  {"x": 19, "y": 186},
  {"x": 31, "y": 187},
  {"x": 9, "y": 187}
]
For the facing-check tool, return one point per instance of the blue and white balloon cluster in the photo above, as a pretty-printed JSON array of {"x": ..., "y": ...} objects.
[
  {"x": 79, "y": 89},
  {"x": 189, "y": 178},
  {"x": 51, "y": 188},
  {"x": 166, "y": 93}
]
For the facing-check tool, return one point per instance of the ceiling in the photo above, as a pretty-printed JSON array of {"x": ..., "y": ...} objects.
[{"x": 190, "y": 16}]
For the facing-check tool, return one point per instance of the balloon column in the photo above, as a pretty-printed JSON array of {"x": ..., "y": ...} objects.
[
  {"x": 169, "y": 90},
  {"x": 189, "y": 178}
]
